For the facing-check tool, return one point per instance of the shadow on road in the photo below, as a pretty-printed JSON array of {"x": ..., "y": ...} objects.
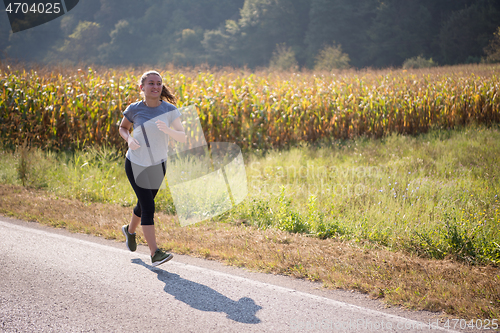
[{"x": 203, "y": 298}]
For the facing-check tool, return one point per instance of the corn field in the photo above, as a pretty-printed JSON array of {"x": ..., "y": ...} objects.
[{"x": 71, "y": 108}]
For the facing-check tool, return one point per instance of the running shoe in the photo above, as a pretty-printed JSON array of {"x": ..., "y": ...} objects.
[
  {"x": 160, "y": 257},
  {"x": 129, "y": 239}
]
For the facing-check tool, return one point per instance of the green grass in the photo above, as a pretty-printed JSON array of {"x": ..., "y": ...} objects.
[
  {"x": 89, "y": 175},
  {"x": 436, "y": 194}
]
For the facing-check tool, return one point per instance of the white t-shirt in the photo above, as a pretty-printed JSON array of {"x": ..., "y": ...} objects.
[{"x": 153, "y": 143}]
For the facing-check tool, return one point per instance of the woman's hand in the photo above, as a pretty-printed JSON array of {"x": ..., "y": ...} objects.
[
  {"x": 162, "y": 126},
  {"x": 133, "y": 143},
  {"x": 177, "y": 133}
]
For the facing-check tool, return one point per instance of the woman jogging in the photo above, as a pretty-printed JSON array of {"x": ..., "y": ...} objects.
[{"x": 154, "y": 119}]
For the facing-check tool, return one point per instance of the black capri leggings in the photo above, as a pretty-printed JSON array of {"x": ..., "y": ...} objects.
[{"x": 145, "y": 207}]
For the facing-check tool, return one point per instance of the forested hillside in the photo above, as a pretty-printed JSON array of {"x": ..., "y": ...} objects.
[{"x": 362, "y": 33}]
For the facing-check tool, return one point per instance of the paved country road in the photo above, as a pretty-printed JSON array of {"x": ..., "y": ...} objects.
[{"x": 55, "y": 281}]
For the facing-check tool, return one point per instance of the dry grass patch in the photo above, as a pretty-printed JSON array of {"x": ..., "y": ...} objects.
[{"x": 438, "y": 285}]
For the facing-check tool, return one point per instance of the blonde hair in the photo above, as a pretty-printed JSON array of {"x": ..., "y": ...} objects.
[{"x": 166, "y": 94}]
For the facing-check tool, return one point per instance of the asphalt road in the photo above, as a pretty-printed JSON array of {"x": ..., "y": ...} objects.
[{"x": 55, "y": 281}]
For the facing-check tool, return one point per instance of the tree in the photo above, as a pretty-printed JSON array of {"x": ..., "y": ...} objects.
[
  {"x": 342, "y": 21},
  {"x": 267, "y": 23},
  {"x": 110, "y": 12},
  {"x": 34, "y": 44},
  {"x": 400, "y": 31},
  {"x": 187, "y": 49},
  {"x": 466, "y": 33},
  {"x": 5, "y": 31},
  {"x": 208, "y": 14},
  {"x": 82, "y": 45},
  {"x": 493, "y": 49},
  {"x": 123, "y": 47},
  {"x": 219, "y": 45},
  {"x": 440, "y": 12}
]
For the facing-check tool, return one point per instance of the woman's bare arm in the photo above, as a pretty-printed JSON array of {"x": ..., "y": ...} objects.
[{"x": 124, "y": 131}]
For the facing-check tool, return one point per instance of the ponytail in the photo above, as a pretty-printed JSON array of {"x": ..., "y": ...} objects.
[{"x": 167, "y": 95}]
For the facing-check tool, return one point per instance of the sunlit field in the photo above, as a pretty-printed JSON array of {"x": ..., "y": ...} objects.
[{"x": 73, "y": 108}]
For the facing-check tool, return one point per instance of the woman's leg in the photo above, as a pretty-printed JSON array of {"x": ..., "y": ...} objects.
[
  {"x": 149, "y": 234},
  {"x": 144, "y": 210},
  {"x": 149, "y": 231},
  {"x": 134, "y": 223}
]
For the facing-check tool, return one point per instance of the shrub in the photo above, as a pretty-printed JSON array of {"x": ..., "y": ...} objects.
[
  {"x": 283, "y": 58},
  {"x": 418, "y": 62},
  {"x": 332, "y": 57}
]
